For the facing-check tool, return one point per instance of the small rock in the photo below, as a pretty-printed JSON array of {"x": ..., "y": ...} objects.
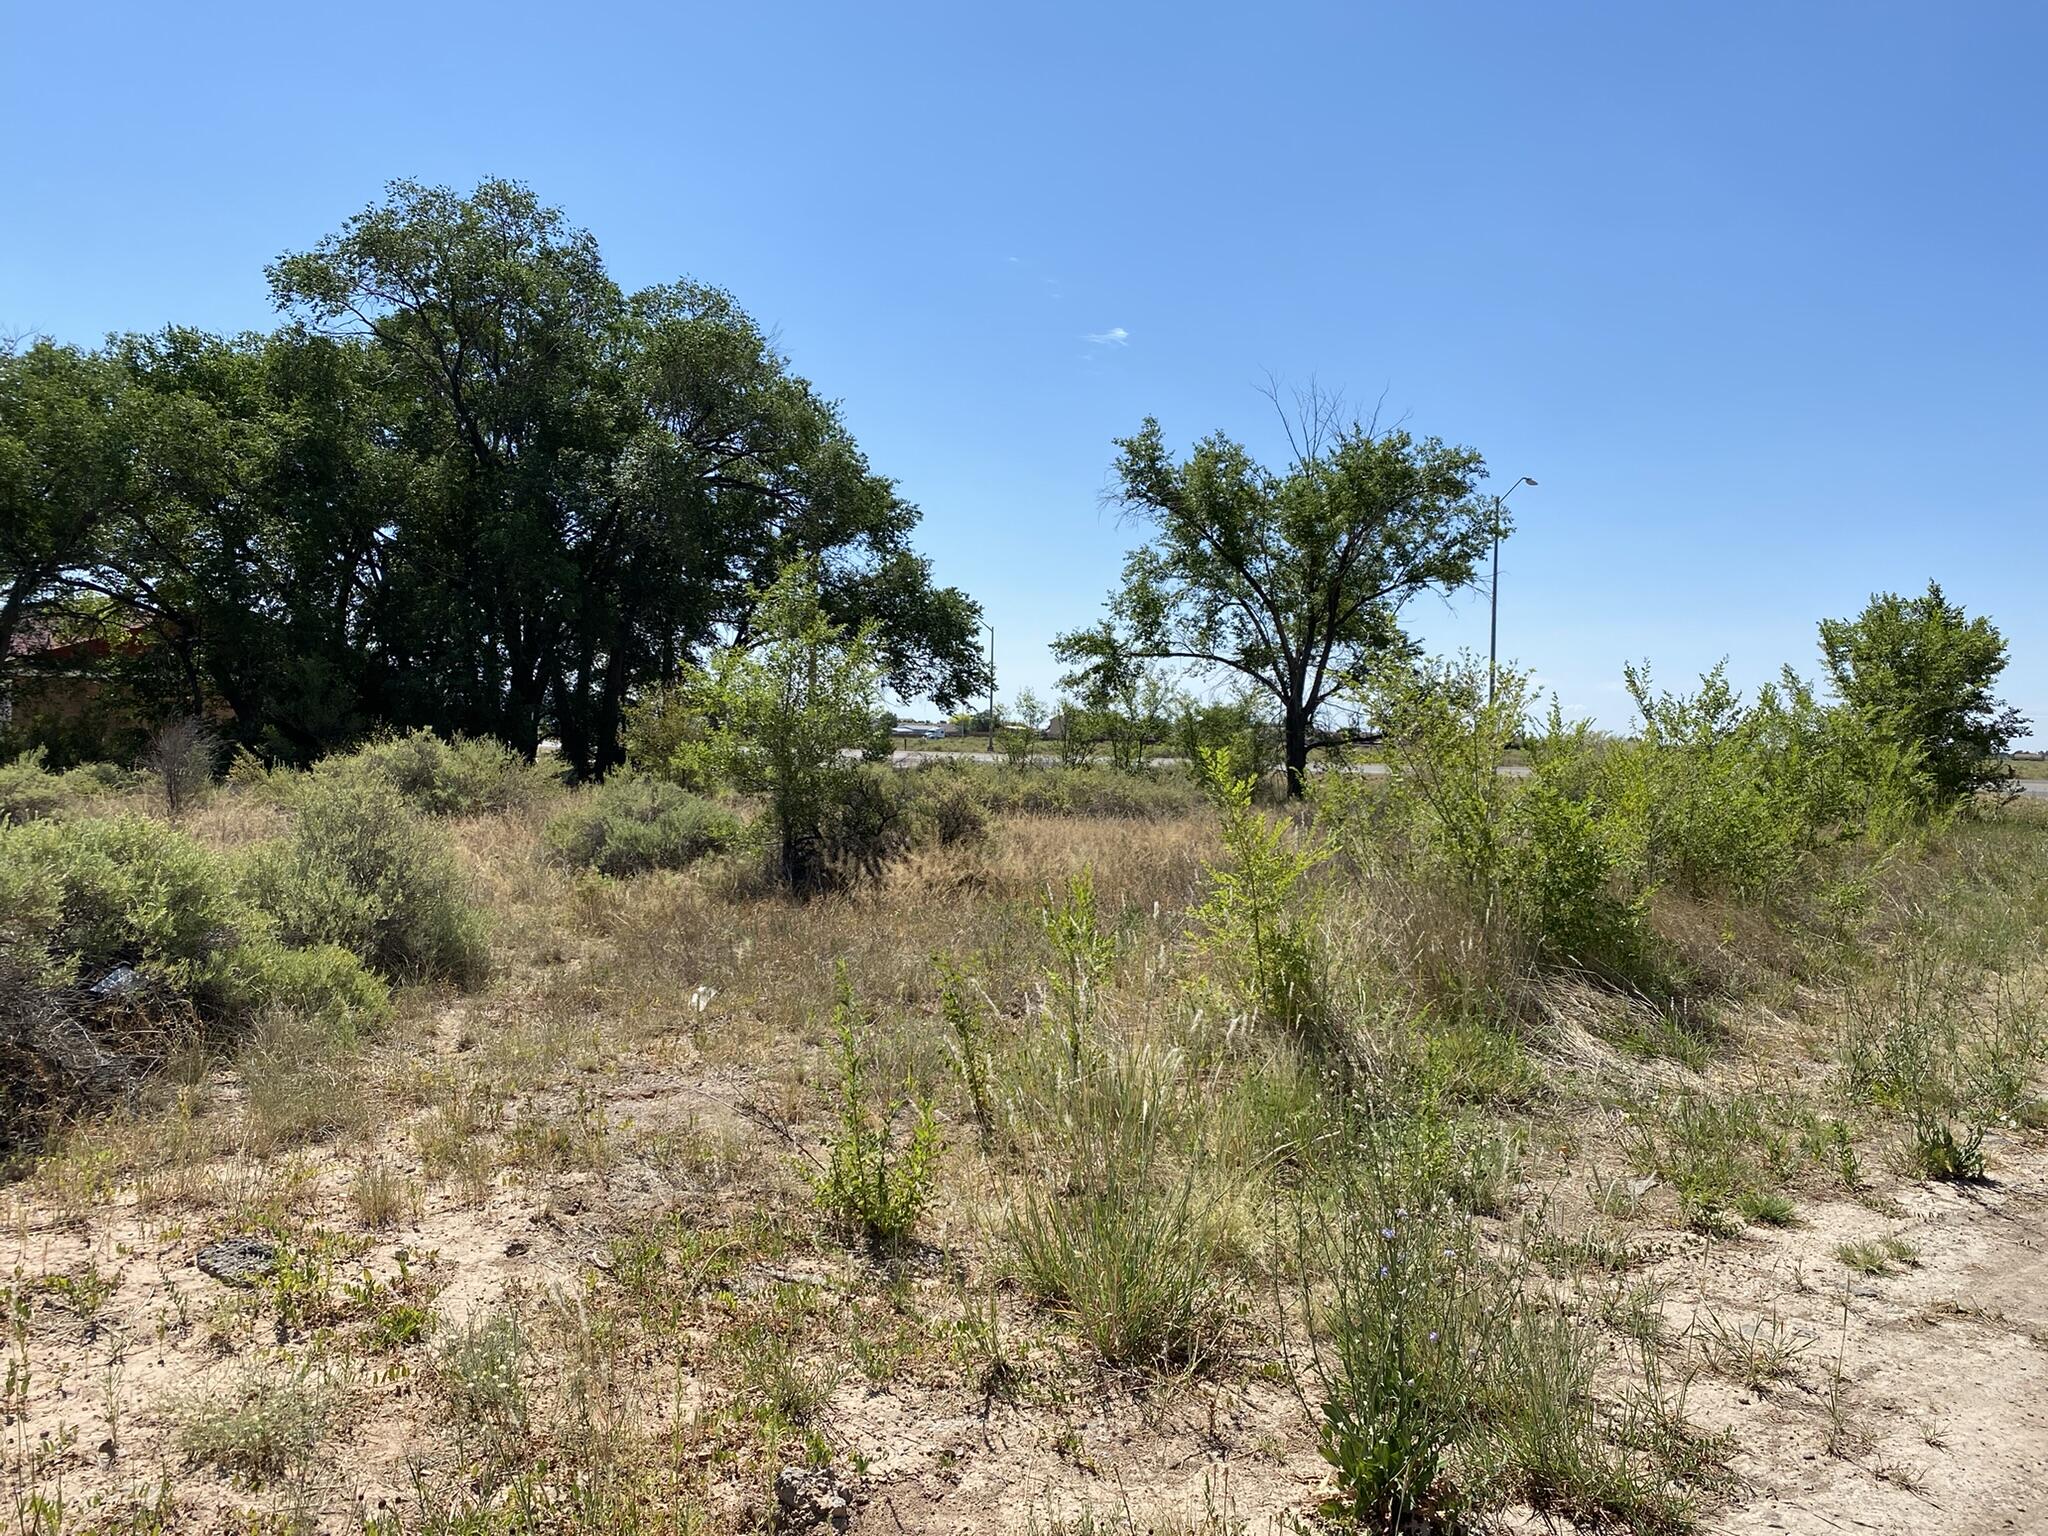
[
  {"x": 517, "y": 1248},
  {"x": 812, "y": 1496},
  {"x": 238, "y": 1260}
]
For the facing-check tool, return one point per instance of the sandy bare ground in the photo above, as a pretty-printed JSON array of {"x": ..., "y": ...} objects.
[{"x": 1913, "y": 1401}]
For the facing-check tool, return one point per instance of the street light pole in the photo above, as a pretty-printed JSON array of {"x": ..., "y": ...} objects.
[
  {"x": 1493, "y": 594},
  {"x": 991, "y": 684}
]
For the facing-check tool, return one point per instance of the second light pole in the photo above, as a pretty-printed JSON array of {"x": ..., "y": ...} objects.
[
  {"x": 1493, "y": 594},
  {"x": 991, "y": 685}
]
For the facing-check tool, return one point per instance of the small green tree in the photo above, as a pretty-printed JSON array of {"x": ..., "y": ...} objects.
[
  {"x": 781, "y": 713},
  {"x": 1018, "y": 736},
  {"x": 1029, "y": 711},
  {"x": 1919, "y": 673},
  {"x": 1258, "y": 920}
]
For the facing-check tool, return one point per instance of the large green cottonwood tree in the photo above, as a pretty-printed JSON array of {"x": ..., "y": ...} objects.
[{"x": 471, "y": 485}]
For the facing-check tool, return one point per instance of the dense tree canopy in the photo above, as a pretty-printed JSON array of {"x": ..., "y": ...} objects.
[
  {"x": 470, "y": 484},
  {"x": 1292, "y": 579},
  {"x": 1918, "y": 673}
]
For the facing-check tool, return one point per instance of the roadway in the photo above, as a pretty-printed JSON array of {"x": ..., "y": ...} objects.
[{"x": 912, "y": 758}]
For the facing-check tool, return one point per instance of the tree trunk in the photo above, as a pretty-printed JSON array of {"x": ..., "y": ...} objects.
[{"x": 1297, "y": 752}]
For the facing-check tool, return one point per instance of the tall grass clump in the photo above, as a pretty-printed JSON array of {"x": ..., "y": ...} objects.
[
  {"x": 1441, "y": 1384},
  {"x": 360, "y": 870},
  {"x": 1125, "y": 1232},
  {"x": 629, "y": 825}
]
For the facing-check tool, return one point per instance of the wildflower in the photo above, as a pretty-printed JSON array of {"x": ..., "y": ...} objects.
[{"x": 1387, "y": 1233}]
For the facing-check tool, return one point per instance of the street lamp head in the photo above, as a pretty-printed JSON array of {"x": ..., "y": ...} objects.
[{"x": 1525, "y": 480}]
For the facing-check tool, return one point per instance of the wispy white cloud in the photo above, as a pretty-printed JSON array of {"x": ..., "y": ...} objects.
[{"x": 1115, "y": 336}]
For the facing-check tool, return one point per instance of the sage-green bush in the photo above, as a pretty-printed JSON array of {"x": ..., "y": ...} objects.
[
  {"x": 631, "y": 824},
  {"x": 462, "y": 776},
  {"x": 361, "y": 870},
  {"x": 83, "y": 897}
]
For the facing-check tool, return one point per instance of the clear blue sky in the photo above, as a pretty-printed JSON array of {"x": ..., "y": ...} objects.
[{"x": 1756, "y": 291}]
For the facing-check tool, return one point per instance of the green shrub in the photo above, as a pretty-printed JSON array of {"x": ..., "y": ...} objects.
[
  {"x": 325, "y": 983},
  {"x": 1918, "y": 674},
  {"x": 873, "y": 1178},
  {"x": 28, "y": 791},
  {"x": 945, "y": 811},
  {"x": 89, "y": 779},
  {"x": 859, "y": 821},
  {"x": 1258, "y": 920},
  {"x": 81, "y": 899},
  {"x": 84, "y": 896},
  {"x": 1084, "y": 949},
  {"x": 778, "y": 716},
  {"x": 360, "y": 870},
  {"x": 463, "y": 776},
  {"x": 1704, "y": 797},
  {"x": 630, "y": 824}
]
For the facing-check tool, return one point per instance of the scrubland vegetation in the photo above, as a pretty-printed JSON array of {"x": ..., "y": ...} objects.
[
  {"x": 1069, "y": 1149},
  {"x": 713, "y": 1126}
]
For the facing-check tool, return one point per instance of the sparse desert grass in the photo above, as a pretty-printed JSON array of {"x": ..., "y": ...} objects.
[
  {"x": 262, "y": 1424},
  {"x": 1878, "y": 1256}
]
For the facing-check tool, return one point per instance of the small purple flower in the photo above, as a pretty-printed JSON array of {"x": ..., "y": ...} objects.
[{"x": 1387, "y": 1233}]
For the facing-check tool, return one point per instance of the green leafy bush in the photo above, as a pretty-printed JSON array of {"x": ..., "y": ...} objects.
[
  {"x": 630, "y": 824},
  {"x": 779, "y": 716},
  {"x": 1258, "y": 920},
  {"x": 1918, "y": 675},
  {"x": 113, "y": 930},
  {"x": 84, "y": 896},
  {"x": 360, "y": 870},
  {"x": 874, "y": 1178}
]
